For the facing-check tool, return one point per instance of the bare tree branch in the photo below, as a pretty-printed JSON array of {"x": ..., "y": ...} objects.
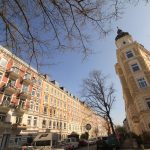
[{"x": 98, "y": 95}]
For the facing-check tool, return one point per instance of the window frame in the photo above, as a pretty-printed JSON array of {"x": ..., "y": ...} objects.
[
  {"x": 129, "y": 54},
  {"x": 35, "y": 121},
  {"x": 29, "y": 120},
  {"x": 142, "y": 82},
  {"x": 135, "y": 67}
]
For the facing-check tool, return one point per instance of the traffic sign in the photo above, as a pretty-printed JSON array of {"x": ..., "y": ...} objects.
[{"x": 88, "y": 126}]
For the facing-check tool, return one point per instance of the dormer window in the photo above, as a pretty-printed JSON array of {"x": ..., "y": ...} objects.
[{"x": 129, "y": 54}]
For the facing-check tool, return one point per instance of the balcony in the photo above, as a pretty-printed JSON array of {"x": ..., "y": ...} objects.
[
  {"x": 19, "y": 111},
  {"x": 4, "y": 107},
  {"x": 3, "y": 69},
  {"x": 13, "y": 72},
  {"x": 27, "y": 79},
  {"x": 10, "y": 88},
  {"x": 25, "y": 95},
  {"x": 17, "y": 126}
]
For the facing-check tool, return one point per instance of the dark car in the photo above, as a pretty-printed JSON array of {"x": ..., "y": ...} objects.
[
  {"x": 83, "y": 142},
  {"x": 108, "y": 143},
  {"x": 102, "y": 145},
  {"x": 112, "y": 142}
]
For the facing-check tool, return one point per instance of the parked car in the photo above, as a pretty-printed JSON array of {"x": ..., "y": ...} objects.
[
  {"x": 112, "y": 142},
  {"x": 92, "y": 141},
  {"x": 108, "y": 143},
  {"x": 72, "y": 141},
  {"x": 83, "y": 143},
  {"x": 63, "y": 145}
]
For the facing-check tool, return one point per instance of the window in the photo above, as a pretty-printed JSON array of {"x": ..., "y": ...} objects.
[
  {"x": 50, "y": 112},
  {"x": 47, "y": 88},
  {"x": 3, "y": 62},
  {"x": 44, "y": 124},
  {"x": 148, "y": 102},
  {"x": 57, "y": 125},
  {"x": 135, "y": 67},
  {"x": 15, "y": 69},
  {"x": 37, "y": 107},
  {"x": 11, "y": 82},
  {"x": 29, "y": 120},
  {"x": 46, "y": 99},
  {"x": 25, "y": 88},
  {"x": 64, "y": 125},
  {"x": 60, "y": 125},
  {"x": 54, "y": 125},
  {"x": 21, "y": 103},
  {"x": 39, "y": 82},
  {"x": 50, "y": 124},
  {"x": 33, "y": 92},
  {"x": 35, "y": 122},
  {"x": 45, "y": 110},
  {"x": 129, "y": 54},
  {"x": 1, "y": 74},
  {"x": 18, "y": 120},
  {"x": 55, "y": 113},
  {"x": 38, "y": 94},
  {"x": 6, "y": 100},
  {"x": 34, "y": 80},
  {"x": 31, "y": 105},
  {"x": 142, "y": 83},
  {"x": 27, "y": 76}
]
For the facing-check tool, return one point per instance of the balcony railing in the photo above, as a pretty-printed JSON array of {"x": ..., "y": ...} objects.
[
  {"x": 13, "y": 72},
  {"x": 10, "y": 88},
  {"x": 25, "y": 94},
  {"x": 6, "y": 103},
  {"x": 27, "y": 79},
  {"x": 17, "y": 126}
]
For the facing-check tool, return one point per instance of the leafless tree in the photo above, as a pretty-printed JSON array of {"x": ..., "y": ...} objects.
[
  {"x": 98, "y": 95},
  {"x": 36, "y": 28}
]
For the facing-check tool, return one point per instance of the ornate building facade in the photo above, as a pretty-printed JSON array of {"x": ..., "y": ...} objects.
[
  {"x": 31, "y": 103},
  {"x": 133, "y": 69}
]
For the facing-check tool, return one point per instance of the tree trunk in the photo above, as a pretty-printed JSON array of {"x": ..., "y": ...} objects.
[{"x": 111, "y": 124}]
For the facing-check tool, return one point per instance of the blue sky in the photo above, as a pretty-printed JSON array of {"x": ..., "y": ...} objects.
[{"x": 70, "y": 70}]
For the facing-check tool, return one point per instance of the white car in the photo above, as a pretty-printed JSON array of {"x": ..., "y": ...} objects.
[{"x": 72, "y": 141}]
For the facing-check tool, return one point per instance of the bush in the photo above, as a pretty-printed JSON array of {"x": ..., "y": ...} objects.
[
  {"x": 74, "y": 134},
  {"x": 84, "y": 136}
]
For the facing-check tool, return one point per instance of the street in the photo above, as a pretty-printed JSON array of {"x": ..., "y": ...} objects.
[{"x": 94, "y": 147}]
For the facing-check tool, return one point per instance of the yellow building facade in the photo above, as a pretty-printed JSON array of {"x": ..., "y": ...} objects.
[
  {"x": 30, "y": 103},
  {"x": 133, "y": 69}
]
